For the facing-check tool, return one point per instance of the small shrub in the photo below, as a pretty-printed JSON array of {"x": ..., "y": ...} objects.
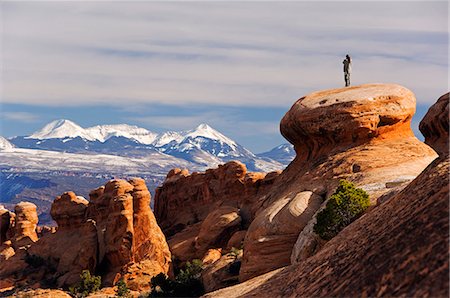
[
  {"x": 88, "y": 284},
  {"x": 235, "y": 252},
  {"x": 34, "y": 261},
  {"x": 122, "y": 289},
  {"x": 343, "y": 207},
  {"x": 186, "y": 284}
]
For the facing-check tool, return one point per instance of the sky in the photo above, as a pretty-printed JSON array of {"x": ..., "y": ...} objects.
[{"x": 238, "y": 66}]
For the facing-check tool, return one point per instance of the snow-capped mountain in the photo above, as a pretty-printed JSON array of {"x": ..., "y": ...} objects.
[
  {"x": 206, "y": 145},
  {"x": 66, "y": 129},
  {"x": 202, "y": 146},
  {"x": 61, "y": 129},
  {"x": 5, "y": 144},
  {"x": 104, "y": 132},
  {"x": 283, "y": 153},
  {"x": 168, "y": 137}
]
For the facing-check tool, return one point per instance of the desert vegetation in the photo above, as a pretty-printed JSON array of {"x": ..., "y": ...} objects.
[{"x": 344, "y": 206}]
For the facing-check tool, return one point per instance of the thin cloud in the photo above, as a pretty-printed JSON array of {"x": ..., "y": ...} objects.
[
  {"x": 235, "y": 54},
  {"x": 21, "y": 117}
]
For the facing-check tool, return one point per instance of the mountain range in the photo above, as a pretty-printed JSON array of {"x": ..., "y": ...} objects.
[
  {"x": 203, "y": 146},
  {"x": 64, "y": 156}
]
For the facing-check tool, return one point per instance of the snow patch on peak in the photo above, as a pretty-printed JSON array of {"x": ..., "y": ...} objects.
[
  {"x": 5, "y": 144},
  {"x": 104, "y": 132},
  {"x": 206, "y": 131},
  {"x": 59, "y": 129},
  {"x": 167, "y": 137}
]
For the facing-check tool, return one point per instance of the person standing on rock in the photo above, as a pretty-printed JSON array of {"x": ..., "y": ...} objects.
[{"x": 347, "y": 69}]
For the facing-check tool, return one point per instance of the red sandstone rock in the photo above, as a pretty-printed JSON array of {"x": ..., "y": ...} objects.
[
  {"x": 211, "y": 256},
  {"x": 222, "y": 273},
  {"x": 187, "y": 199},
  {"x": 5, "y": 220},
  {"x": 25, "y": 224},
  {"x": 237, "y": 240},
  {"x": 361, "y": 134},
  {"x": 434, "y": 126},
  {"x": 217, "y": 229},
  {"x": 399, "y": 248},
  {"x": 115, "y": 234},
  {"x": 74, "y": 246}
]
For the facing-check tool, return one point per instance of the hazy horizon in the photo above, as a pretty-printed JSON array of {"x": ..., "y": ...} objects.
[{"x": 237, "y": 66}]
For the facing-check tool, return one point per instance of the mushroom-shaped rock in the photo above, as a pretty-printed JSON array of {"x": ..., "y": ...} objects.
[
  {"x": 435, "y": 125},
  {"x": 321, "y": 121},
  {"x": 361, "y": 134}
]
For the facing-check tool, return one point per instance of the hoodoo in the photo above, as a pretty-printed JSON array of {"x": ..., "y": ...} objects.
[
  {"x": 399, "y": 248},
  {"x": 361, "y": 134}
]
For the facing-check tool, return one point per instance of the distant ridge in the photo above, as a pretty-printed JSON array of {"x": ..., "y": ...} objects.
[{"x": 203, "y": 146}]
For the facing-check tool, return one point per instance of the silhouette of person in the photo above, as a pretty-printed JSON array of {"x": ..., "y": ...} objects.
[{"x": 347, "y": 69}]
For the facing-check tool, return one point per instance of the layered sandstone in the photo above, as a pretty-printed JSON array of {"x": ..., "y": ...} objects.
[
  {"x": 26, "y": 220},
  {"x": 434, "y": 125},
  {"x": 5, "y": 222},
  {"x": 187, "y": 206},
  {"x": 114, "y": 235},
  {"x": 399, "y": 248},
  {"x": 73, "y": 247},
  {"x": 361, "y": 134}
]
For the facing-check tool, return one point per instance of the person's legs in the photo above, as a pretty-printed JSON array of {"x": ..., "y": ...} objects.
[{"x": 347, "y": 79}]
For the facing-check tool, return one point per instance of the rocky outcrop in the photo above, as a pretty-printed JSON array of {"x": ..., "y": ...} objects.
[
  {"x": 361, "y": 134},
  {"x": 26, "y": 220},
  {"x": 222, "y": 273},
  {"x": 5, "y": 222},
  {"x": 115, "y": 235},
  {"x": 186, "y": 199},
  {"x": 74, "y": 246},
  {"x": 187, "y": 206},
  {"x": 434, "y": 125},
  {"x": 217, "y": 228},
  {"x": 211, "y": 256},
  {"x": 399, "y": 248}
]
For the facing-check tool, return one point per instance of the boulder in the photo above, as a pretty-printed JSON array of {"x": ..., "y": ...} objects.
[
  {"x": 237, "y": 240},
  {"x": 222, "y": 273},
  {"x": 211, "y": 256},
  {"x": 361, "y": 134},
  {"x": 434, "y": 126},
  {"x": 217, "y": 229}
]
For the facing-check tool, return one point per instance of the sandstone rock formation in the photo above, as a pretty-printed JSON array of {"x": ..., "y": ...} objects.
[
  {"x": 211, "y": 256},
  {"x": 73, "y": 247},
  {"x": 222, "y": 273},
  {"x": 434, "y": 125},
  {"x": 26, "y": 220},
  {"x": 186, "y": 199},
  {"x": 184, "y": 202},
  {"x": 361, "y": 134},
  {"x": 399, "y": 248},
  {"x": 5, "y": 222},
  {"x": 114, "y": 235},
  {"x": 217, "y": 228}
]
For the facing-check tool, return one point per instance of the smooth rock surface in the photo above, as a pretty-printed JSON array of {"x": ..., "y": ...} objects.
[{"x": 361, "y": 134}]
